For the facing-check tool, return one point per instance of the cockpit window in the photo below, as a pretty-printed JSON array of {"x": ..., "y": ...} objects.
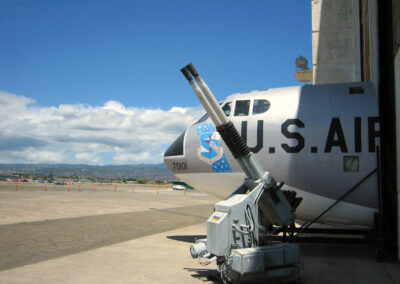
[
  {"x": 260, "y": 106},
  {"x": 227, "y": 109},
  {"x": 242, "y": 108}
]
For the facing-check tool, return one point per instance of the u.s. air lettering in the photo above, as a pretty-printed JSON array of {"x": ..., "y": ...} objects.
[{"x": 333, "y": 138}]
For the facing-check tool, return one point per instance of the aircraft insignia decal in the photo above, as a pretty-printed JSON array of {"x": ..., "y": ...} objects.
[{"x": 210, "y": 150}]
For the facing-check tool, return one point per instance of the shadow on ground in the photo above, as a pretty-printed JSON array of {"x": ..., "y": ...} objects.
[
  {"x": 187, "y": 238},
  {"x": 205, "y": 274}
]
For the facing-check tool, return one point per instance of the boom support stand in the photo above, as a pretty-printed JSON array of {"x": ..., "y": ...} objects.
[{"x": 234, "y": 229}]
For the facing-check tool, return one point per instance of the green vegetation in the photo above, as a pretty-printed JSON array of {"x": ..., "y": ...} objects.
[{"x": 143, "y": 181}]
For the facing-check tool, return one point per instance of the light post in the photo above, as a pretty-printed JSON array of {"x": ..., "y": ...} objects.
[{"x": 303, "y": 73}]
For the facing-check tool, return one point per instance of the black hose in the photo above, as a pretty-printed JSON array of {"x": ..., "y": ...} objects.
[{"x": 233, "y": 140}]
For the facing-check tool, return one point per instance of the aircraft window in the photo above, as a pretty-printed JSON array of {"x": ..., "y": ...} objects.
[
  {"x": 242, "y": 108},
  {"x": 227, "y": 109},
  {"x": 260, "y": 106}
]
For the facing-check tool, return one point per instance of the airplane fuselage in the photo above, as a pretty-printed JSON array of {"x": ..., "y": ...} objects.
[{"x": 320, "y": 140}]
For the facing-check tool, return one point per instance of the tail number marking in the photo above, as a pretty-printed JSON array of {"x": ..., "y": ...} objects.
[{"x": 181, "y": 166}]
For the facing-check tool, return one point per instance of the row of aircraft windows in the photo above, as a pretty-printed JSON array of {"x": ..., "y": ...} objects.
[{"x": 242, "y": 108}]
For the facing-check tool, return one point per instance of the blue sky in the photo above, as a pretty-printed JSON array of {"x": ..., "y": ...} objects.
[
  {"x": 98, "y": 82},
  {"x": 131, "y": 51}
]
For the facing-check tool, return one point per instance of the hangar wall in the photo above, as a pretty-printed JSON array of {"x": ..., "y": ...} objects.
[
  {"x": 397, "y": 88},
  {"x": 396, "y": 52},
  {"x": 344, "y": 41},
  {"x": 359, "y": 40},
  {"x": 335, "y": 41}
]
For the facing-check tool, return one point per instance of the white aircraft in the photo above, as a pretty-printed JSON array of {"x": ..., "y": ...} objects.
[{"x": 320, "y": 140}]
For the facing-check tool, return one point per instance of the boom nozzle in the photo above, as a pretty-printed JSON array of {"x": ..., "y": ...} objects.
[
  {"x": 224, "y": 126},
  {"x": 186, "y": 73},
  {"x": 205, "y": 95},
  {"x": 192, "y": 70}
]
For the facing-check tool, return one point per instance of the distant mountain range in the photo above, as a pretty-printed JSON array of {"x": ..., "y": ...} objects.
[{"x": 141, "y": 171}]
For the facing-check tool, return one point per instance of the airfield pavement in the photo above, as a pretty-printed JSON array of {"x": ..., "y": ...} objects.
[{"x": 108, "y": 236}]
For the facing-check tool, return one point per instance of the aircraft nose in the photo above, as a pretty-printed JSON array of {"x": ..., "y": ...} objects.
[
  {"x": 176, "y": 148},
  {"x": 174, "y": 156}
]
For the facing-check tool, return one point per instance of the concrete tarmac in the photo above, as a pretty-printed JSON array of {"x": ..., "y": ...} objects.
[
  {"x": 140, "y": 237},
  {"x": 32, "y": 203},
  {"x": 22, "y": 244}
]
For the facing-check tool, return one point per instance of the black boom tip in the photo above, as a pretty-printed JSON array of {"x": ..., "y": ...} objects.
[
  {"x": 192, "y": 70},
  {"x": 186, "y": 73}
]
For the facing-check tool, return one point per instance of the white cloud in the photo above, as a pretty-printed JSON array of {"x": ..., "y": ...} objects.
[
  {"x": 83, "y": 133},
  {"x": 89, "y": 158}
]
